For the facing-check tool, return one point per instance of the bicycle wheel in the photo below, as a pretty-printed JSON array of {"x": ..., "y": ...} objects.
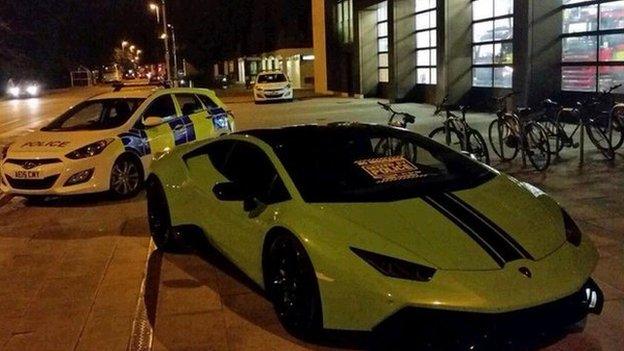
[
  {"x": 554, "y": 132},
  {"x": 600, "y": 139},
  {"x": 454, "y": 140},
  {"x": 537, "y": 146},
  {"x": 476, "y": 145},
  {"x": 617, "y": 138},
  {"x": 503, "y": 139}
]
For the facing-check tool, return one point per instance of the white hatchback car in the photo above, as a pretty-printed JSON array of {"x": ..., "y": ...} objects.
[
  {"x": 272, "y": 86},
  {"x": 107, "y": 142}
]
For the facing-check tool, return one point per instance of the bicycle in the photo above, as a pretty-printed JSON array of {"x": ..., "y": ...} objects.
[
  {"x": 393, "y": 147},
  {"x": 456, "y": 133},
  {"x": 513, "y": 132},
  {"x": 558, "y": 136}
]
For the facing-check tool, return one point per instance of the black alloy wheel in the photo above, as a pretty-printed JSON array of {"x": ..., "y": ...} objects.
[
  {"x": 126, "y": 177},
  {"x": 164, "y": 235},
  {"x": 292, "y": 286}
]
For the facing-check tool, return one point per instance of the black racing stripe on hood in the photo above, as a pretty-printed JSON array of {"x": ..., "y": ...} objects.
[
  {"x": 494, "y": 240},
  {"x": 460, "y": 222},
  {"x": 525, "y": 254}
]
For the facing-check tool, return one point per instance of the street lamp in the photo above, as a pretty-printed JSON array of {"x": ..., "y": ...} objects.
[
  {"x": 175, "y": 53},
  {"x": 132, "y": 47},
  {"x": 156, "y": 9}
]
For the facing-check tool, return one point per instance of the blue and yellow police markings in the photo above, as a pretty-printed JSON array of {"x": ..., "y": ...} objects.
[{"x": 136, "y": 141}]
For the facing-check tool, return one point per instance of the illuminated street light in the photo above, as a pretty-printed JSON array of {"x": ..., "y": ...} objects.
[
  {"x": 156, "y": 9},
  {"x": 139, "y": 52},
  {"x": 132, "y": 48},
  {"x": 124, "y": 44}
]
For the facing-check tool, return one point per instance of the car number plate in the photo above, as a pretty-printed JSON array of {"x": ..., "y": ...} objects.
[{"x": 27, "y": 175}]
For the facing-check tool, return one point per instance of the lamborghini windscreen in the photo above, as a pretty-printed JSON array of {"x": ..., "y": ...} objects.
[{"x": 373, "y": 164}]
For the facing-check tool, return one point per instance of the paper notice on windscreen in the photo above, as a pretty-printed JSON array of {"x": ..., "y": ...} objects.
[{"x": 390, "y": 169}]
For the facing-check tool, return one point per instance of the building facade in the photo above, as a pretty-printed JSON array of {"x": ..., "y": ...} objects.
[{"x": 471, "y": 50}]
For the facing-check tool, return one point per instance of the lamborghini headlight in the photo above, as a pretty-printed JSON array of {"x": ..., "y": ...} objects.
[
  {"x": 396, "y": 268},
  {"x": 90, "y": 150},
  {"x": 572, "y": 231}
]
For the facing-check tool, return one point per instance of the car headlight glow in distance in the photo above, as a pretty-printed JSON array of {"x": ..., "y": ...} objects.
[
  {"x": 396, "y": 268},
  {"x": 89, "y": 150},
  {"x": 32, "y": 90},
  {"x": 572, "y": 231},
  {"x": 15, "y": 91}
]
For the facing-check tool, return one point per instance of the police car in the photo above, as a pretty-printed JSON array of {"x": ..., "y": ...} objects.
[{"x": 107, "y": 142}]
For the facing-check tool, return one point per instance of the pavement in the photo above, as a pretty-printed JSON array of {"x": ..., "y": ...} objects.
[{"x": 80, "y": 273}]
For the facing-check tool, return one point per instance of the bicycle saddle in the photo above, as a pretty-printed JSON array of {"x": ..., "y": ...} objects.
[
  {"x": 550, "y": 103},
  {"x": 524, "y": 111}
]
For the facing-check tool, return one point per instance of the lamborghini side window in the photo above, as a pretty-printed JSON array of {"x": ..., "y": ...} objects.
[
  {"x": 249, "y": 166},
  {"x": 219, "y": 152}
]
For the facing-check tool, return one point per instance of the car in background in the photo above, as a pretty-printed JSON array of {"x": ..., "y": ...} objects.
[
  {"x": 343, "y": 232},
  {"x": 107, "y": 142},
  {"x": 111, "y": 74},
  {"x": 23, "y": 89},
  {"x": 272, "y": 86}
]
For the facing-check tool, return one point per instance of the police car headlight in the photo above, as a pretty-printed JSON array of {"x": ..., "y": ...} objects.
[{"x": 90, "y": 150}]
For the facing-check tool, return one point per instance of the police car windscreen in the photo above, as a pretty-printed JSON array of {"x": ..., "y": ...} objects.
[
  {"x": 372, "y": 164},
  {"x": 96, "y": 115},
  {"x": 272, "y": 78}
]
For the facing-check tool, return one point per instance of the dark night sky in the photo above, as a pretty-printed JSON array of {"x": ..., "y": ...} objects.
[{"x": 49, "y": 37}]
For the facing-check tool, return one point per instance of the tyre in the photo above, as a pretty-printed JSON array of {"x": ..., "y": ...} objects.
[
  {"x": 503, "y": 139},
  {"x": 292, "y": 287},
  {"x": 126, "y": 177},
  {"x": 164, "y": 235},
  {"x": 454, "y": 140},
  {"x": 617, "y": 138},
  {"x": 600, "y": 139},
  {"x": 538, "y": 147},
  {"x": 554, "y": 133},
  {"x": 476, "y": 145}
]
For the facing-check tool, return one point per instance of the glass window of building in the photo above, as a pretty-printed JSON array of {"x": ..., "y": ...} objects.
[
  {"x": 344, "y": 16},
  {"x": 592, "y": 57},
  {"x": 492, "y": 48},
  {"x": 382, "y": 42},
  {"x": 426, "y": 42}
]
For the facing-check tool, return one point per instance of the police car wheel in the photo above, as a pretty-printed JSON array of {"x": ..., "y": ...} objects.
[{"x": 126, "y": 177}]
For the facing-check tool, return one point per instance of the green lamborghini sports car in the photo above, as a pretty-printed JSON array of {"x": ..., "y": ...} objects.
[{"x": 364, "y": 227}]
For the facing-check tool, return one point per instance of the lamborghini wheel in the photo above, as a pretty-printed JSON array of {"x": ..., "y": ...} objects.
[
  {"x": 164, "y": 235},
  {"x": 292, "y": 286}
]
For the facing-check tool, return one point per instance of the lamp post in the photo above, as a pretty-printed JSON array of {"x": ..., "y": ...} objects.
[
  {"x": 175, "y": 54},
  {"x": 156, "y": 9}
]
